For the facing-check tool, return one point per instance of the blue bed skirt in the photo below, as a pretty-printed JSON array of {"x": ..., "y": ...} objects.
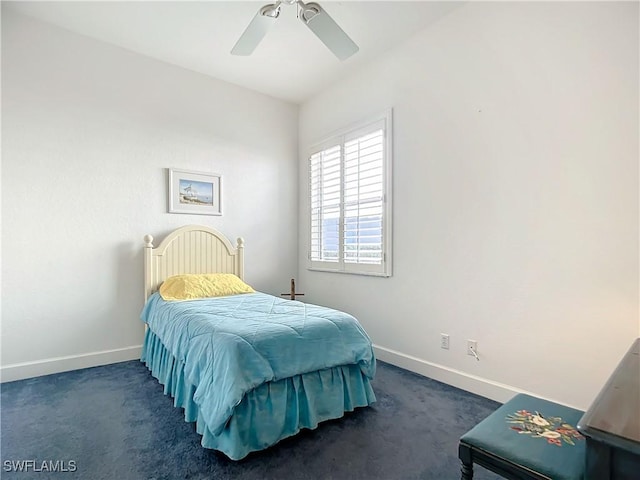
[{"x": 270, "y": 412}]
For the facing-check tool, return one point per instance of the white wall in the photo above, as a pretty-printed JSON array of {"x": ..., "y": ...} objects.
[
  {"x": 88, "y": 130},
  {"x": 515, "y": 197}
]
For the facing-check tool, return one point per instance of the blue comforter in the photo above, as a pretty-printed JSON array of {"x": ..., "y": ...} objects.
[{"x": 230, "y": 345}]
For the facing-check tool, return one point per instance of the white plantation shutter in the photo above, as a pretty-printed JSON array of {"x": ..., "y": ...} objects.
[
  {"x": 363, "y": 198},
  {"x": 325, "y": 204},
  {"x": 349, "y": 197}
]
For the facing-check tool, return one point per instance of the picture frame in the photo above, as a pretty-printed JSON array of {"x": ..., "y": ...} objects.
[{"x": 197, "y": 193}]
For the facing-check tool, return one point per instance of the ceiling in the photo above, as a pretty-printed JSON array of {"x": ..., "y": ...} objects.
[{"x": 290, "y": 63}]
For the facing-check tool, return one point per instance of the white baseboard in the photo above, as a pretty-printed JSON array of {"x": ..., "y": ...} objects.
[
  {"x": 470, "y": 383},
  {"x": 19, "y": 371}
]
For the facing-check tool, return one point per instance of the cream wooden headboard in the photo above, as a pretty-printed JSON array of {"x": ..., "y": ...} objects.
[{"x": 190, "y": 249}]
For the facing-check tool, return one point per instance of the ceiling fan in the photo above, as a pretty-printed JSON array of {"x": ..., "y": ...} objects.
[{"x": 311, "y": 14}]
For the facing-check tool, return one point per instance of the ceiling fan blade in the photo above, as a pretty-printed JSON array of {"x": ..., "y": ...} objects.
[
  {"x": 257, "y": 29},
  {"x": 327, "y": 30}
]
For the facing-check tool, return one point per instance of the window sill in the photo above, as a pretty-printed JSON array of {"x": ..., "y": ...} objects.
[{"x": 350, "y": 272}]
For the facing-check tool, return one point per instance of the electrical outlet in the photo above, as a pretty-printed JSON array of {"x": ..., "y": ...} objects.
[
  {"x": 472, "y": 346},
  {"x": 444, "y": 341}
]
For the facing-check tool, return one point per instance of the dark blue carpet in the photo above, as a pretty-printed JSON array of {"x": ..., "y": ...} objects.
[{"x": 114, "y": 422}]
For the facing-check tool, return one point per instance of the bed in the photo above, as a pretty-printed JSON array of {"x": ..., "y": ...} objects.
[{"x": 250, "y": 369}]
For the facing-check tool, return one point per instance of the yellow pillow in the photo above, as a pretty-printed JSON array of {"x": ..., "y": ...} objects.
[{"x": 191, "y": 286}]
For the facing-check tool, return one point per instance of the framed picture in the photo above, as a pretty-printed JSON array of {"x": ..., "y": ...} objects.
[{"x": 195, "y": 192}]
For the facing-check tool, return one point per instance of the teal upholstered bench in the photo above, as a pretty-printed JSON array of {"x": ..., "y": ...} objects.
[{"x": 526, "y": 438}]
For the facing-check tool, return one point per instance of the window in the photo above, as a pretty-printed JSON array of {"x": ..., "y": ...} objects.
[{"x": 350, "y": 200}]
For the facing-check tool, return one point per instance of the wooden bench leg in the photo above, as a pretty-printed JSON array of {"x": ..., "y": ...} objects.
[
  {"x": 467, "y": 471},
  {"x": 464, "y": 454}
]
